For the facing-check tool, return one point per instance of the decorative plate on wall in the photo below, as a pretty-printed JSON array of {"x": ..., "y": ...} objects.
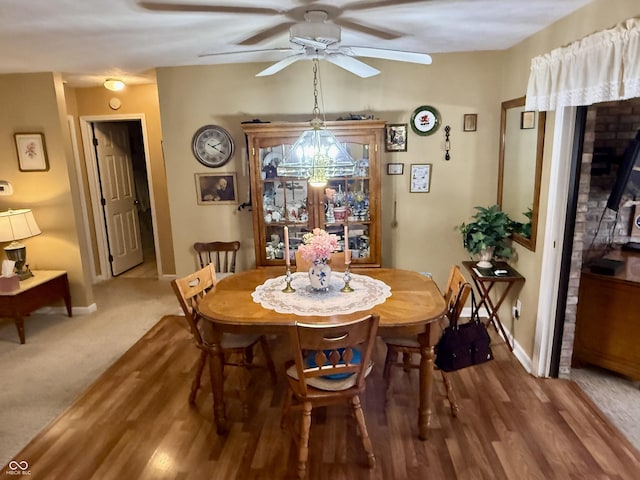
[{"x": 425, "y": 120}]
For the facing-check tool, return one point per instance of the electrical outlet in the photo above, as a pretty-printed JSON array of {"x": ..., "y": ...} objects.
[{"x": 516, "y": 310}]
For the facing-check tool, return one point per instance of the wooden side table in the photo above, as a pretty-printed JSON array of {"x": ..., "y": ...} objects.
[
  {"x": 45, "y": 287},
  {"x": 485, "y": 279}
]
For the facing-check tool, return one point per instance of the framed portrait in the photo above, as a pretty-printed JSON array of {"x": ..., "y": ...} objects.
[
  {"x": 420, "y": 178},
  {"x": 32, "y": 152},
  {"x": 527, "y": 120},
  {"x": 396, "y": 137},
  {"x": 395, "y": 168},
  {"x": 216, "y": 188},
  {"x": 470, "y": 123}
]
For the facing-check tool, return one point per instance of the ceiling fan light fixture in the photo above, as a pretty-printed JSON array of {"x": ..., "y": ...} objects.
[
  {"x": 316, "y": 155},
  {"x": 114, "y": 84}
]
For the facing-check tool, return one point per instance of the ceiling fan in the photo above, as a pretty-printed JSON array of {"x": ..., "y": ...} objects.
[
  {"x": 313, "y": 38},
  {"x": 316, "y": 38}
]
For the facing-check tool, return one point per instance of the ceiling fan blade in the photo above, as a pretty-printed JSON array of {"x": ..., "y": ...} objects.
[
  {"x": 267, "y": 33},
  {"x": 365, "y": 5},
  {"x": 351, "y": 64},
  {"x": 397, "y": 55},
  {"x": 282, "y": 64},
  {"x": 373, "y": 31},
  {"x": 199, "y": 8},
  {"x": 238, "y": 52}
]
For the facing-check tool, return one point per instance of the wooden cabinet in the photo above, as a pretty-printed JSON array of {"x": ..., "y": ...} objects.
[
  {"x": 608, "y": 320},
  {"x": 279, "y": 201}
]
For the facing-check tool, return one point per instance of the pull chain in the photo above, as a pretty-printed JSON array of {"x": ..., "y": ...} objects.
[
  {"x": 316, "y": 110},
  {"x": 447, "y": 143}
]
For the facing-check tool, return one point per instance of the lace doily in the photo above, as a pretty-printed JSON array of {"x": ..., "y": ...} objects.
[{"x": 367, "y": 293}]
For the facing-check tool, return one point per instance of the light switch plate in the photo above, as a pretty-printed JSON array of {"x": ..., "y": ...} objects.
[{"x": 5, "y": 188}]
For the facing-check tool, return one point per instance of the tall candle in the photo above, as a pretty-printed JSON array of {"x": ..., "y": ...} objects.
[
  {"x": 286, "y": 245},
  {"x": 347, "y": 252}
]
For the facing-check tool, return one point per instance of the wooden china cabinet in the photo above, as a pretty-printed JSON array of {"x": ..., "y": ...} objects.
[{"x": 278, "y": 201}]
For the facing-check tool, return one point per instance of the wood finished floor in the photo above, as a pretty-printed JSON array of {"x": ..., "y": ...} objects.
[{"x": 134, "y": 422}]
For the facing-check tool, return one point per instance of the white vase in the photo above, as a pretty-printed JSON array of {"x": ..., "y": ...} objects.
[
  {"x": 485, "y": 258},
  {"x": 320, "y": 275}
]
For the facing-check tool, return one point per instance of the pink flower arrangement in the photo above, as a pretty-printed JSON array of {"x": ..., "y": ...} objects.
[{"x": 318, "y": 245}]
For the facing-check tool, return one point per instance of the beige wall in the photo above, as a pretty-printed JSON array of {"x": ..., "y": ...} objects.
[
  {"x": 137, "y": 99},
  {"x": 455, "y": 84},
  {"x": 598, "y": 15},
  {"x": 425, "y": 238},
  {"x": 35, "y": 103},
  {"x": 190, "y": 97}
]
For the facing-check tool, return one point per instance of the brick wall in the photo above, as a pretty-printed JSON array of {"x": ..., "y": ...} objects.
[{"x": 609, "y": 128}]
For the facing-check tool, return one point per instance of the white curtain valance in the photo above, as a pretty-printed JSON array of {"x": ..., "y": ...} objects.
[{"x": 601, "y": 67}]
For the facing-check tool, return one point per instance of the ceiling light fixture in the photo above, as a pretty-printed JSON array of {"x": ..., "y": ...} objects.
[
  {"x": 114, "y": 84},
  {"x": 317, "y": 155}
]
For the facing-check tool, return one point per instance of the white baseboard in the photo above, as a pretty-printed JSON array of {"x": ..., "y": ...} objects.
[{"x": 63, "y": 310}]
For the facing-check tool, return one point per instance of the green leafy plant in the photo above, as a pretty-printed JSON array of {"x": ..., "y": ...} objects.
[
  {"x": 521, "y": 228},
  {"x": 490, "y": 229}
]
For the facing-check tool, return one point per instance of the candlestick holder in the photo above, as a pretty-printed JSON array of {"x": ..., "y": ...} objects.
[
  {"x": 347, "y": 279},
  {"x": 288, "y": 278}
]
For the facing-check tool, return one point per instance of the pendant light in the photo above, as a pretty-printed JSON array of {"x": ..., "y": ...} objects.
[{"x": 317, "y": 155}]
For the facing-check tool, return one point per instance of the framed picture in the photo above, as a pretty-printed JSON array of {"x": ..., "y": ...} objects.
[
  {"x": 470, "y": 122},
  {"x": 396, "y": 137},
  {"x": 32, "y": 153},
  {"x": 420, "y": 178},
  {"x": 216, "y": 188},
  {"x": 395, "y": 168},
  {"x": 527, "y": 120}
]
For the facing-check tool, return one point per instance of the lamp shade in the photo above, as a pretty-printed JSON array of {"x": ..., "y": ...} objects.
[
  {"x": 317, "y": 155},
  {"x": 17, "y": 224}
]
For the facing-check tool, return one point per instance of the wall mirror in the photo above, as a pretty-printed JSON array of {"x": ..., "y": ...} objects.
[{"x": 520, "y": 168}]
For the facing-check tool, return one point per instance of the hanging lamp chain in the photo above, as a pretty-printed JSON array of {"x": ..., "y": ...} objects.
[{"x": 316, "y": 110}]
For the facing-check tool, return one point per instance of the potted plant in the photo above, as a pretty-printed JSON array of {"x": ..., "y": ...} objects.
[{"x": 487, "y": 235}]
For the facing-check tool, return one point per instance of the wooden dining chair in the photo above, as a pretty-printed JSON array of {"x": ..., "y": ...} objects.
[
  {"x": 221, "y": 254},
  {"x": 336, "y": 262},
  {"x": 330, "y": 365},
  {"x": 237, "y": 349},
  {"x": 455, "y": 296}
]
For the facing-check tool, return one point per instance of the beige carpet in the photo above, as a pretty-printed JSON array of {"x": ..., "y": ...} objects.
[
  {"x": 617, "y": 397},
  {"x": 62, "y": 356}
]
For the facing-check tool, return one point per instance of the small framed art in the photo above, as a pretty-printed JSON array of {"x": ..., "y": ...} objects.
[
  {"x": 216, "y": 188},
  {"x": 420, "y": 178},
  {"x": 396, "y": 137},
  {"x": 527, "y": 120},
  {"x": 470, "y": 123},
  {"x": 395, "y": 168},
  {"x": 32, "y": 152}
]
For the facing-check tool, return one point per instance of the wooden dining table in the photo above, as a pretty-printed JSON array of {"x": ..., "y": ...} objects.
[{"x": 414, "y": 307}]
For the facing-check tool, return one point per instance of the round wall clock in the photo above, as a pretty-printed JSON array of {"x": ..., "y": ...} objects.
[
  {"x": 425, "y": 120},
  {"x": 212, "y": 146}
]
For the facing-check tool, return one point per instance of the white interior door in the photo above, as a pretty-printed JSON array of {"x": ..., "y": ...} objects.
[{"x": 118, "y": 196}]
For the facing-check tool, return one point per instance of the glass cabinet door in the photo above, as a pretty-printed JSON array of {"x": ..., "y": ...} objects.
[
  {"x": 284, "y": 202},
  {"x": 346, "y": 202}
]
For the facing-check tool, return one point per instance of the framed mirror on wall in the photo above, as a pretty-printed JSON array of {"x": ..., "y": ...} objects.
[{"x": 520, "y": 168}]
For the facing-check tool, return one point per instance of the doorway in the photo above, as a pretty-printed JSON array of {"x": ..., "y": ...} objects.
[{"x": 120, "y": 186}]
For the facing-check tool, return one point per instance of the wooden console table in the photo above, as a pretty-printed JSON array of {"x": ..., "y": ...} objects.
[
  {"x": 485, "y": 279},
  {"x": 44, "y": 288},
  {"x": 607, "y": 327}
]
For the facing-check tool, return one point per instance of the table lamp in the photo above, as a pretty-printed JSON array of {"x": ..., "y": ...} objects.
[{"x": 17, "y": 225}]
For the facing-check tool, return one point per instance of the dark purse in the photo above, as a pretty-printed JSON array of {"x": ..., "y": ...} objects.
[{"x": 464, "y": 345}]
